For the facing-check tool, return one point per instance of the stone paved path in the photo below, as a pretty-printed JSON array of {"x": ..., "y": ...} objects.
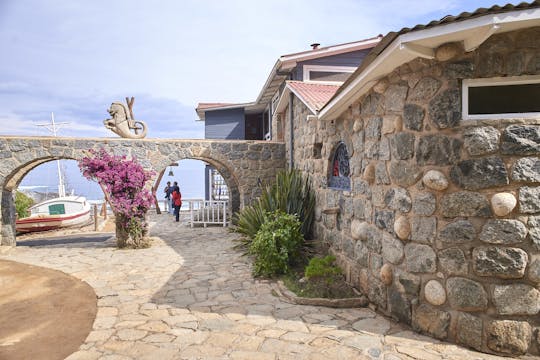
[{"x": 191, "y": 296}]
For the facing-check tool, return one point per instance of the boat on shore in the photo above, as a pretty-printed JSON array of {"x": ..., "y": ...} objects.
[{"x": 60, "y": 212}]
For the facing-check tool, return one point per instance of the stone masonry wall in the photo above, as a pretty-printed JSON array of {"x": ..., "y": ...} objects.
[
  {"x": 243, "y": 164},
  {"x": 441, "y": 228}
]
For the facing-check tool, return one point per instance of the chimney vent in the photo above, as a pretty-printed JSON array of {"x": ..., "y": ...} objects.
[{"x": 315, "y": 46}]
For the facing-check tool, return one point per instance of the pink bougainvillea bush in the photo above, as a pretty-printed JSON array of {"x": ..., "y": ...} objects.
[{"x": 124, "y": 181}]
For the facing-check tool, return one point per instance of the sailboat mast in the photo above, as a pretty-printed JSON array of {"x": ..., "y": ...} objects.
[
  {"x": 53, "y": 128},
  {"x": 61, "y": 185}
]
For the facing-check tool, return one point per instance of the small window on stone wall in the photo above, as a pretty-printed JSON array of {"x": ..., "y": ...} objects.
[
  {"x": 501, "y": 98},
  {"x": 340, "y": 171}
]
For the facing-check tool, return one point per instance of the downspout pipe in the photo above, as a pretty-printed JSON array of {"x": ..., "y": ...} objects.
[{"x": 291, "y": 132}]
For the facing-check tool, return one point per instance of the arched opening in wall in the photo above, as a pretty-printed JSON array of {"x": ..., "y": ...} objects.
[
  {"x": 209, "y": 191},
  {"x": 49, "y": 197},
  {"x": 339, "y": 169}
]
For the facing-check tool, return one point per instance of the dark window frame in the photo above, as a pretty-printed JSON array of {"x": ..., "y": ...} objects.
[{"x": 472, "y": 91}]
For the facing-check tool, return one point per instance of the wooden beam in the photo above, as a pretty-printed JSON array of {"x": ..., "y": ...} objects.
[
  {"x": 481, "y": 35},
  {"x": 154, "y": 189},
  {"x": 418, "y": 50}
]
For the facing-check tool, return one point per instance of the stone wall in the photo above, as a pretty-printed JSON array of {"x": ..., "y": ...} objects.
[
  {"x": 243, "y": 164},
  {"x": 441, "y": 227}
]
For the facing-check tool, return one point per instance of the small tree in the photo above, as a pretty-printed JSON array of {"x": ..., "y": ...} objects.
[
  {"x": 124, "y": 181},
  {"x": 22, "y": 203}
]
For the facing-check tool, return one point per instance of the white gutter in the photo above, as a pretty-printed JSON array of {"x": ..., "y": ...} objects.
[
  {"x": 422, "y": 43},
  {"x": 202, "y": 112}
]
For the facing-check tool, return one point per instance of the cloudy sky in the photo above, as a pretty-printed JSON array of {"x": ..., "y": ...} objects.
[{"x": 75, "y": 57}]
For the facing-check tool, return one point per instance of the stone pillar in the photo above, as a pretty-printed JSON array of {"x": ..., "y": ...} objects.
[{"x": 8, "y": 219}]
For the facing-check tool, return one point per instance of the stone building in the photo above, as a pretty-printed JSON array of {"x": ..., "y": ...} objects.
[{"x": 426, "y": 164}]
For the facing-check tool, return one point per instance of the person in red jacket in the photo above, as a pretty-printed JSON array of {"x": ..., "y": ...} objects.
[{"x": 177, "y": 200}]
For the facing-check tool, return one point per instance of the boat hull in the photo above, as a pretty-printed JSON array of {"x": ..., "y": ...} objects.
[{"x": 51, "y": 222}]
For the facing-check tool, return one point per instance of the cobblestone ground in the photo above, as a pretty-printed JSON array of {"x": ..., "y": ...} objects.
[{"x": 191, "y": 296}]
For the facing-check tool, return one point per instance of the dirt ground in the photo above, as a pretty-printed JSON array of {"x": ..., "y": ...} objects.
[{"x": 44, "y": 313}]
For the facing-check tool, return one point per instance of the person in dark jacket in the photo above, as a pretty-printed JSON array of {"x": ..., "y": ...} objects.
[{"x": 177, "y": 200}]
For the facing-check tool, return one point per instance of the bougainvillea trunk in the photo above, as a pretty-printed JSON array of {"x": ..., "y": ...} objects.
[
  {"x": 124, "y": 181},
  {"x": 122, "y": 234},
  {"x": 130, "y": 232}
]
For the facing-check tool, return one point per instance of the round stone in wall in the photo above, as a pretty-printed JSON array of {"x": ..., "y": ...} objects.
[
  {"x": 435, "y": 293},
  {"x": 369, "y": 173},
  {"x": 386, "y": 274},
  {"x": 503, "y": 203},
  {"x": 359, "y": 230},
  {"x": 402, "y": 227},
  {"x": 435, "y": 180}
]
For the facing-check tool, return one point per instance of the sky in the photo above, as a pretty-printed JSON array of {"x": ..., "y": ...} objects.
[{"x": 74, "y": 58}]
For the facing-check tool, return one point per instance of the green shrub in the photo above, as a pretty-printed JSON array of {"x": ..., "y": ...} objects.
[
  {"x": 322, "y": 268},
  {"x": 276, "y": 244},
  {"x": 22, "y": 203},
  {"x": 291, "y": 193}
]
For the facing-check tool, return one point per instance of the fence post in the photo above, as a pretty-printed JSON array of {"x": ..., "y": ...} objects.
[
  {"x": 104, "y": 210},
  {"x": 224, "y": 213},
  {"x": 191, "y": 212},
  {"x": 96, "y": 219}
]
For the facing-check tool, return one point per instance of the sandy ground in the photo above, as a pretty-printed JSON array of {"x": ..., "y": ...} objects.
[{"x": 44, "y": 313}]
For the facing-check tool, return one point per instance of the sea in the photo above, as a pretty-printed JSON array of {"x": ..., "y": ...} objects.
[{"x": 44, "y": 180}]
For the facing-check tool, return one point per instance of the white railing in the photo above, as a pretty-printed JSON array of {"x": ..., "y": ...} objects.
[{"x": 206, "y": 211}]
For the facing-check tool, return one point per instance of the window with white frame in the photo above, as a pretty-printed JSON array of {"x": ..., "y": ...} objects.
[
  {"x": 501, "y": 98},
  {"x": 327, "y": 74}
]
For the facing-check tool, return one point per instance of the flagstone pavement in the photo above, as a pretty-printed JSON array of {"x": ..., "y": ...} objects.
[{"x": 192, "y": 296}]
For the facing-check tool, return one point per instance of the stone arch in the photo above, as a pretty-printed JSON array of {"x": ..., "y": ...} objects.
[
  {"x": 225, "y": 171},
  {"x": 11, "y": 182},
  {"x": 243, "y": 164}
]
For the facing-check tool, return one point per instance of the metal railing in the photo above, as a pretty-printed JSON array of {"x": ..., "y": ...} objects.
[{"x": 207, "y": 211}]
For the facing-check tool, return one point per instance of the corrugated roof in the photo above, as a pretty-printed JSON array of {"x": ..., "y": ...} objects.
[
  {"x": 391, "y": 36},
  {"x": 315, "y": 96},
  {"x": 279, "y": 72},
  {"x": 495, "y": 9}
]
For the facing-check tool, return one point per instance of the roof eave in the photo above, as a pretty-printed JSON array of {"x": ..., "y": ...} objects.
[
  {"x": 422, "y": 43},
  {"x": 202, "y": 112}
]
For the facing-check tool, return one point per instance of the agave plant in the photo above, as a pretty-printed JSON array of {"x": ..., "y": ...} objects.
[{"x": 291, "y": 193}]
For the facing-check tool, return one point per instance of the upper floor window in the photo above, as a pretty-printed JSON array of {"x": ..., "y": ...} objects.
[
  {"x": 501, "y": 98},
  {"x": 327, "y": 74},
  {"x": 340, "y": 170}
]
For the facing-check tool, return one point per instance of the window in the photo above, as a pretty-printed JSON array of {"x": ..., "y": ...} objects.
[
  {"x": 339, "y": 170},
  {"x": 57, "y": 209},
  {"x": 501, "y": 98},
  {"x": 327, "y": 74}
]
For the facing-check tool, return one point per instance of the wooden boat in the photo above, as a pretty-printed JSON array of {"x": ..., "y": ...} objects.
[{"x": 60, "y": 212}]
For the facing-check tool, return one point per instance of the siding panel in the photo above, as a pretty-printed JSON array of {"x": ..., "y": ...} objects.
[{"x": 225, "y": 124}]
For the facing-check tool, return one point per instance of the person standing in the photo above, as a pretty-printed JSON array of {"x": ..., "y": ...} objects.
[
  {"x": 177, "y": 200},
  {"x": 168, "y": 191}
]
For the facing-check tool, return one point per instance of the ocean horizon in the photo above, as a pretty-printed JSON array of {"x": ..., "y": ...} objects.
[{"x": 44, "y": 179}]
